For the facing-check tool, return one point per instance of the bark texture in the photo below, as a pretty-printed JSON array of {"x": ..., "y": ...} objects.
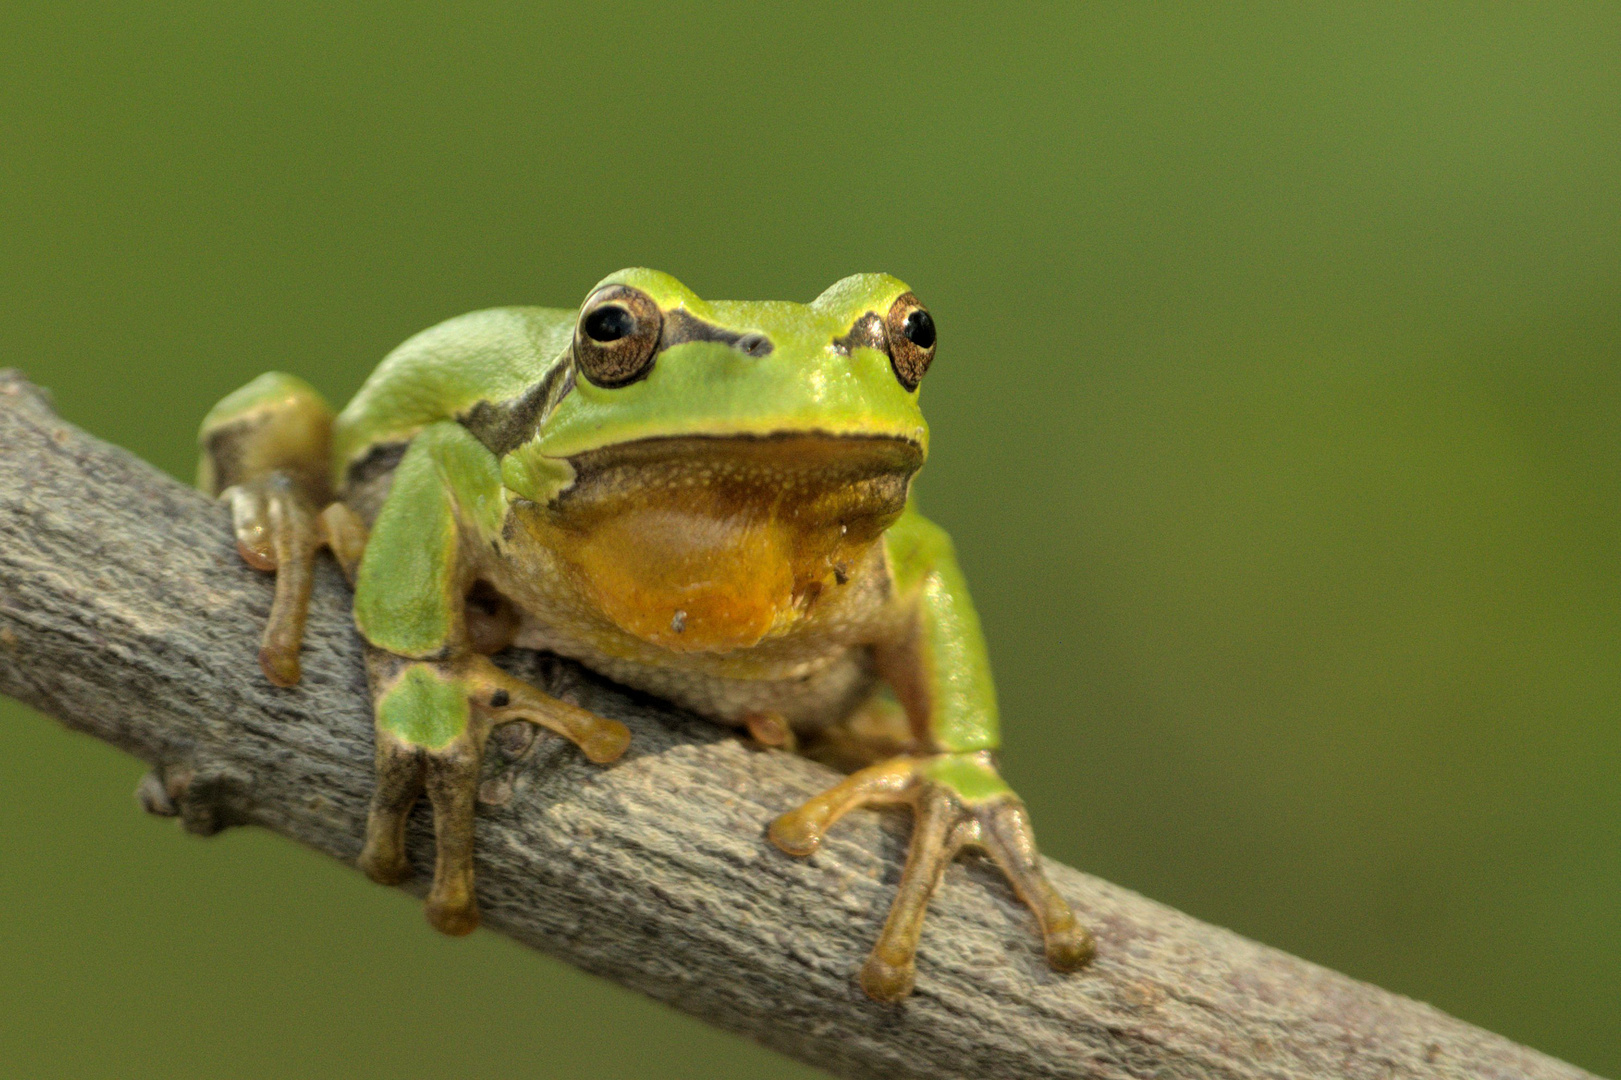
[{"x": 125, "y": 612}]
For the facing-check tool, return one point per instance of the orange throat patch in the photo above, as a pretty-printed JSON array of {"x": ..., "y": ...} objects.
[{"x": 716, "y": 544}]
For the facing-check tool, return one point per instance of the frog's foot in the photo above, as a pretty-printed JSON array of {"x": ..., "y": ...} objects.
[
  {"x": 278, "y": 528},
  {"x": 433, "y": 720},
  {"x": 770, "y": 730},
  {"x": 958, "y": 801}
]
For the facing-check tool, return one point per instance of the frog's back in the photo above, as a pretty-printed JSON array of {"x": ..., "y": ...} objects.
[{"x": 494, "y": 355}]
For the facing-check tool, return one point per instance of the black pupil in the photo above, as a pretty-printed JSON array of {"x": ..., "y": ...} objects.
[
  {"x": 919, "y": 329},
  {"x": 612, "y": 322}
]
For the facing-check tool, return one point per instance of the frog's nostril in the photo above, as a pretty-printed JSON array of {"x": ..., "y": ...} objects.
[{"x": 754, "y": 344}]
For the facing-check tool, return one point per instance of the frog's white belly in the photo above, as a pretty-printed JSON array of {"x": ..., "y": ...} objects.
[{"x": 817, "y": 695}]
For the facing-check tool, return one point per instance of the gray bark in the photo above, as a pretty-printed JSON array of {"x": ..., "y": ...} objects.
[{"x": 125, "y": 612}]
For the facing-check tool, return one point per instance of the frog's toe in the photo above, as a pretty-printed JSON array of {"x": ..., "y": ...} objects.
[
  {"x": 453, "y": 914},
  {"x": 452, "y": 784},
  {"x": 770, "y": 730},
  {"x": 1071, "y": 947},
  {"x": 941, "y": 828},
  {"x": 888, "y": 978},
  {"x": 796, "y": 833},
  {"x": 278, "y": 529},
  {"x": 800, "y": 831},
  {"x": 504, "y": 698},
  {"x": 399, "y": 783},
  {"x": 1005, "y": 834}
]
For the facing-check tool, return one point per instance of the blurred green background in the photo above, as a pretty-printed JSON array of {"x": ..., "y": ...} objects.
[{"x": 1276, "y": 420}]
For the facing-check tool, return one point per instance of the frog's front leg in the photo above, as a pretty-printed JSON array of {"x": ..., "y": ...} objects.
[
  {"x": 436, "y": 697},
  {"x": 937, "y": 665}
]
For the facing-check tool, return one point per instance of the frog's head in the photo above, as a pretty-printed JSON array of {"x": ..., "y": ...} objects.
[
  {"x": 763, "y": 442},
  {"x": 655, "y": 368}
]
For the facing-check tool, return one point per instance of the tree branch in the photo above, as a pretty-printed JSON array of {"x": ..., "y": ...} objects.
[{"x": 125, "y": 612}]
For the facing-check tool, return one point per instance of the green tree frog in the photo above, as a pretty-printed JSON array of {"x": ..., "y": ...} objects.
[{"x": 705, "y": 500}]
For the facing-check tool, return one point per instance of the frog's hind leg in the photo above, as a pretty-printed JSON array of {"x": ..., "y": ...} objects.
[
  {"x": 434, "y": 718},
  {"x": 266, "y": 449},
  {"x": 449, "y": 775},
  {"x": 875, "y": 730},
  {"x": 958, "y": 801}
]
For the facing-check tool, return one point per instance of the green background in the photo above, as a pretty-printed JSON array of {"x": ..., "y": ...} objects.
[{"x": 1276, "y": 419}]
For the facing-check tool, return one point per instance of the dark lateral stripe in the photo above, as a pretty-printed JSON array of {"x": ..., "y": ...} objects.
[
  {"x": 505, "y": 426},
  {"x": 379, "y": 458}
]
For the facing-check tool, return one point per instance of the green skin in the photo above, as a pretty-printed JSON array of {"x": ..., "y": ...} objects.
[{"x": 497, "y": 414}]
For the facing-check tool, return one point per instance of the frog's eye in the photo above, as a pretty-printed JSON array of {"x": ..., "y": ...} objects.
[
  {"x": 911, "y": 339},
  {"x": 617, "y": 335}
]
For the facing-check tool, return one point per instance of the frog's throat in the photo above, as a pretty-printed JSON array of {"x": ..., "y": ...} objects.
[{"x": 712, "y": 544}]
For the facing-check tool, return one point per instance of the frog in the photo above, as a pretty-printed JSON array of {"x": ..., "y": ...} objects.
[{"x": 706, "y": 501}]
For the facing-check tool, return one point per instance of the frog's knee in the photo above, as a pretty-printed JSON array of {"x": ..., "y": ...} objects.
[{"x": 276, "y": 423}]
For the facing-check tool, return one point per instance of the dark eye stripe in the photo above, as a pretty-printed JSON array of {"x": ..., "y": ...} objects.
[
  {"x": 682, "y": 326},
  {"x": 866, "y": 333}
]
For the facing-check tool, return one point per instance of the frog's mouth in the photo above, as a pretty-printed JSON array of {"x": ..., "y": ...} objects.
[
  {"x": 712, "y": 543},
  {"x": 814, "y": 476}
]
